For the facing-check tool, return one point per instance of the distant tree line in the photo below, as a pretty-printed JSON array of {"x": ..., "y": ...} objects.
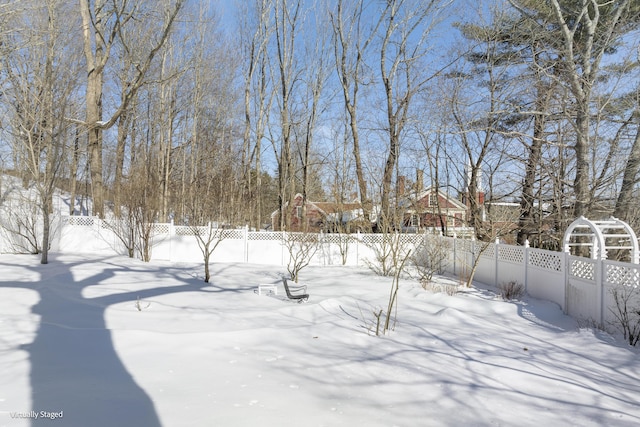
[{"x": 168, "y": 111}]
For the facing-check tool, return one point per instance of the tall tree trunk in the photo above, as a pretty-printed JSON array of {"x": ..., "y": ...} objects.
[
  {"x": 95, "y": 57},
  {"x": 527, "y": 221},
  {"x": 586, "y": 34},
  {"x": 73, "y": 179},
  {"x": 121, "y": 140},
  {"x": 629, "y": 180}
]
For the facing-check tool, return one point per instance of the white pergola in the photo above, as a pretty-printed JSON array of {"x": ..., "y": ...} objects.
[{"x": 600, "y": 237}]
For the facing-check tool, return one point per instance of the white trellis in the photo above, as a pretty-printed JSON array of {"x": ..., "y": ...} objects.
[{"x": 600, "y": 237}]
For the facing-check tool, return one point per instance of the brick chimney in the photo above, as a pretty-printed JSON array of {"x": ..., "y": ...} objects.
[
  {"x": 419, "y": 180},
  {"x": 400, "y": 185}
]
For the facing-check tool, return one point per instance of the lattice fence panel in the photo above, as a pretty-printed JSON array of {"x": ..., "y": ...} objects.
[
  {"x": 182, "y": 230},
  {"x": 235, "y": 234},
  {"x": 112, "y": 224},
  {"x": 302, "y": 237},
  {"x": 338, "y": 239},
  {"x": 511, "y": 253},
  {"x": 622, "y": 275},
  {"x": 84, "y": 221},
  {"x": 372, "y": 239},
  {"x": 160, "y": 228},
  {"x": 488, "y": 252},
  {"x": 264, "y": 236},
  {"x": 465, "y": 245},
  {"x": 582, "y": 269},
  {"x": 411, "y": 239},
  {"x": 545, "y": 260}
]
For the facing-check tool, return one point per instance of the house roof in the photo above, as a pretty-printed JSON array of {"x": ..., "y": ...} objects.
[
  {"x": 333, "y": 207},
  {"x": 326, "y": 208},
  {"x": 413, "y": 198}
]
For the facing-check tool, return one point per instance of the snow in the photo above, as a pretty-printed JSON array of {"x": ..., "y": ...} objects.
[{"x": 118, "y": 342}]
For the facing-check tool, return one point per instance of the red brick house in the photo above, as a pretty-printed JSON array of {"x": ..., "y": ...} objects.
[
  {"x": 319, "y": 216},
  {"x": 431, "y": 208}
]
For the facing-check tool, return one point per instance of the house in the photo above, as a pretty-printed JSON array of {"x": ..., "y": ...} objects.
[
  {"x": 432, "y": 208},
  {"x": 320, "y": 216}
]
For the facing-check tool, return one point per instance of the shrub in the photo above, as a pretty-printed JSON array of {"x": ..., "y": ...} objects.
[
  {"x": 446, "y": 288},
  {"x": 429, "y": 258},
  {"x": 627, "y": 311},
  {"x": 511, "y": 290}
]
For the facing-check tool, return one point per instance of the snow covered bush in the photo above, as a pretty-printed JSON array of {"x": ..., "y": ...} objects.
[{"x": 446, "y": 288}]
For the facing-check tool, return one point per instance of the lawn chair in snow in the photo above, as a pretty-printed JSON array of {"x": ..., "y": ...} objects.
[{"x": 295, "y": 296}]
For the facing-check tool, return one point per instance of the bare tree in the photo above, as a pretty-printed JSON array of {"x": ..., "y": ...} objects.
[
  {"x": 103, "y": 23},
  {"x": 314, "y": 81},
  {"x": 286, "y": 28},
  {"x": 257, "y": 26},
  {"x": 587, "y": 29},
  {"x": 41, "y": 85},
  {"x": 208, "y": 238},
  {"x": 623, "y": 208},
  {"x": 405, "y": 43},
  {"x": 351, "y": 46}
]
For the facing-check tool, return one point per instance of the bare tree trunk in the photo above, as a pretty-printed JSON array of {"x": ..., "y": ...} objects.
[
  {"x": 286, "y": 22},
  {"x": 350, "y": 51},
  {"x": 107, "y": 23},
  {"x": 73, "y": 178},
  {"x": 255, "y": 51},
  {"x": 526, "y": 221},
  {"x": 404, "y": 43},
  {"x": 121, "y": 140},
  {"x": 96, "y": 57},
  {"x": 584, "y": 43},
  {"x": 629, "y": 180}
]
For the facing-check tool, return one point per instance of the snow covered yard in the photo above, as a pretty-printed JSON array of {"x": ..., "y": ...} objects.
[{"x": 117, "y": 342}]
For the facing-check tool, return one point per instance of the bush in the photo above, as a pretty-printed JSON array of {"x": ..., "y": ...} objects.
[
  {"x": 627, "y": 312},
  {"x": 429, "y": 258},
  {"x": 511, "y": 290},
  {"x": 446, "y": 288}
]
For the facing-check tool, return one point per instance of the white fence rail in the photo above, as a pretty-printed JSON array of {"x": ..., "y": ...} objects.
[{"x": 582, "y": 287}]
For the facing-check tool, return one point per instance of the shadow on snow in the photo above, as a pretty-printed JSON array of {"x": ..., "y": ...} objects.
[{"x": 74, "y": 365}]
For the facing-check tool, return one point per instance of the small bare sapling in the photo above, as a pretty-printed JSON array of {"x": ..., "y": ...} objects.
[{"x": 140, "y": 305}]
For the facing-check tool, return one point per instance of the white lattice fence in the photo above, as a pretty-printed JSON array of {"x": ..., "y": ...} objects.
[
  {"x": 581, "y": 286},
  {"x": 80, "y": 221},
  {"x": 512, "y": 254},
  {"x": 486, "y": 250},
  {"x": 545, "y": 260},
  {"x": 265, "y": 236},
  {"x": 582, "y": 268},
  {"x": 545, "y": 275},
  {"x": 621, "y": 274},
  {"x": 584, "y": 291},
  {"x": 623, "y": 279},
  {"x": 160, "y": 228}
]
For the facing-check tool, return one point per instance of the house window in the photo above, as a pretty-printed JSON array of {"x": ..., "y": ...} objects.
[
  {"x": 433, "y": 200},
  {"x": 458, "y": 220},
  {"x": 415, "y": 220},
  {"x": 298, "y": 211}
]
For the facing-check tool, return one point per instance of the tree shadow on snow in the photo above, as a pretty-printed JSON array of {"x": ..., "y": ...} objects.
[{"x": 74, "y": 365}]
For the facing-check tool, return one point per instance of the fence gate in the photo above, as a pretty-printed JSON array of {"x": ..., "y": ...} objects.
[{"x": 587, "y": 244}]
